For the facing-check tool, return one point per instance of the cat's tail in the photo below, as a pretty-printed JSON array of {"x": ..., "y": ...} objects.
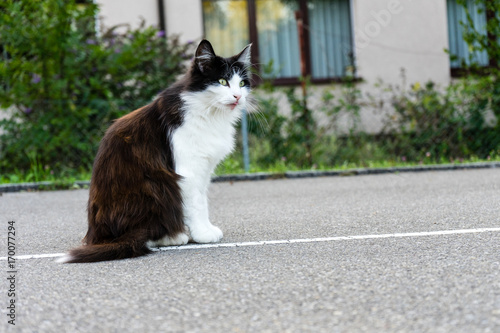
[{"x": 104, "y": 252}]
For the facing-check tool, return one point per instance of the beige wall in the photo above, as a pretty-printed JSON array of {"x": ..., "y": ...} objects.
[
  {"x": 395, "y": 34},
  {"x": 183, "y": 17},
  {"x": 113, "y": 12}
]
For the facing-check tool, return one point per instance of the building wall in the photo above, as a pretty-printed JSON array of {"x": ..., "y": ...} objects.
[
  {"x": 395, "y": 34},
  {"x": 114, "y": 12},
  {"x": 182, "y": 17},
  {"x": 389, "y": 35},
  {"x": 185, "y": 18}
]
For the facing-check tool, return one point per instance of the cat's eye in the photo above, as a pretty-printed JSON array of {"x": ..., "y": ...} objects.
[
  {"x": 223, "y": 82},
  {"x": 242, "y": 83}
]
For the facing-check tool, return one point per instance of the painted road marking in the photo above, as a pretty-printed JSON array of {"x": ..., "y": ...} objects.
[{"x": 289, "y": 241}]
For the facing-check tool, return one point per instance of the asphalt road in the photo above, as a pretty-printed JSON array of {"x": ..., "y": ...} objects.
[{"x": 440, "y": 282}]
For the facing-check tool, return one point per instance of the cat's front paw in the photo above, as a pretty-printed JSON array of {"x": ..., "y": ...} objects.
[{"x": 206, "y": 234}]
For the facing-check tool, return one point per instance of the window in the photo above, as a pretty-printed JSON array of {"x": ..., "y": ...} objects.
[
  {"x": 272, "y": 28},
  {"x": 278, "y": 36},
  {"x": 226, "y": 25},
  {"x": 459, "y": 50}
]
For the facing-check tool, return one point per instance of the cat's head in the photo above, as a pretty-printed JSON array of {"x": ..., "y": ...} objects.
[{"x": 224, "y": 82}]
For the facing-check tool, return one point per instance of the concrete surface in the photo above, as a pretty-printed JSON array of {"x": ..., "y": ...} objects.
[{"x": 438, "y": 283}]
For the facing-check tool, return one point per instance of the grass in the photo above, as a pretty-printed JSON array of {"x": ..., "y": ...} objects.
[
  {"x": 231, "y": 165},
  {"x": 65, "y": 179},
  {"x": 234, "y": 165}
]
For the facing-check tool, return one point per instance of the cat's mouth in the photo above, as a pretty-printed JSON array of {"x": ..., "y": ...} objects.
[{"x": 233, "y": 105}]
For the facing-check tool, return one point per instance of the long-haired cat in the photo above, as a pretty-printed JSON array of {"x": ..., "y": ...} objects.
[{"x": 152, "y": 170}]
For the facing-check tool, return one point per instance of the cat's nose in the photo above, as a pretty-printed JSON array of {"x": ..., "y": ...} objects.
[{"x": 237, "y": 96}]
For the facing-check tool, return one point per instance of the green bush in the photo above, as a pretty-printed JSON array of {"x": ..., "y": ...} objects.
[
  {"x": 63, "y": 82},
  {"x": 477, "y": 40},
  {"x": 266, "y": 125},
  {"x": 424, "y": 124},
  {"x": 440, "y": 125}
]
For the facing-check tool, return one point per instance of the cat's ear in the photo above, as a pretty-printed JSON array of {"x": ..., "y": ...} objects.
[
  {"x": 204, "y": 55},
  {"x": 244, "y": 56}
]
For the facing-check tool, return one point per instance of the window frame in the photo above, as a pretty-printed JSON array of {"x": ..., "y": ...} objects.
[{"x": 287, "y": 81}]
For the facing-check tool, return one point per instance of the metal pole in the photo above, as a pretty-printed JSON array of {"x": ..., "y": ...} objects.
[
  {"x": 244, "y": 135},
  {"x": 161, "y": 17}
]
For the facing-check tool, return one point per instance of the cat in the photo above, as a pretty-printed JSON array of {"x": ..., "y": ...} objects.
[{"x": 152, "y": 170}]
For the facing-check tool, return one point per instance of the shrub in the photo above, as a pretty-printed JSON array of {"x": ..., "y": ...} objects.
[
  {"x": 426, "y": 123},
  {"x": 64, "y": 82},
  {"x": 479, "y": 40},
  {"x": 441, "y": 124}
]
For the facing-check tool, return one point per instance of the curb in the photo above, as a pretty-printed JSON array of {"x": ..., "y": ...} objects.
[
  {"x": 18, "y": 187},
  {"x": 353, "y": 172},
  {"x": 4, "y": 188}
]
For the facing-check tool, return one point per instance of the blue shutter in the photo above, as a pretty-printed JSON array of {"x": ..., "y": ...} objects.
[
  {"x": 458, "y": 47},
  {"x": 278, "y": 37},
  {"x": 330, "y": 37}
]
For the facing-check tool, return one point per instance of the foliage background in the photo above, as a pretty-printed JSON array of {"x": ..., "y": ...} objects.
[
  {"x": 62, "y": 83},
  {"x": 425, "y": 123}
]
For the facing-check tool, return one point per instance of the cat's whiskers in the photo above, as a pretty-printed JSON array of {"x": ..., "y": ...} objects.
[
  {"x": 261, "y": 120},
  {"x": 255, "y": 112}
]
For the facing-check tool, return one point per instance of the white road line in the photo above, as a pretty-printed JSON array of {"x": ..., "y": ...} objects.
[{"x": 289, "y": 241}]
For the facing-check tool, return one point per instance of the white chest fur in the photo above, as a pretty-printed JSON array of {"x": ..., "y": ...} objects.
[{"x": 205, "y": 137}]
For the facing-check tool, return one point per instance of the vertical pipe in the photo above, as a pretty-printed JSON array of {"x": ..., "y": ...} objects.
[
  {"x": 244, "y": 135},
  {"x": 161, "y": 17},
  {"x": 304, "y": 71},
  {"x": 354, "y": 56},
  {"x": 254, "y": 39},
  {"x": 304, "y": 15},
  {"x": 300, "y": 28}
]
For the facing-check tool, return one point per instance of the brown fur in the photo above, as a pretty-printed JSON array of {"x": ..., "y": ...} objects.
[{"x": 134, "y": 192}]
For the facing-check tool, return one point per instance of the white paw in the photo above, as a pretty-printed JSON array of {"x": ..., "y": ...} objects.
[
  {"x": 180, "y": 239},
  {"x": 205, "y": 234}
]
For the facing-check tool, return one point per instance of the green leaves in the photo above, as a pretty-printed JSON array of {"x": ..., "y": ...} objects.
[
  {"x": 482, "y": 38},
  {"x": 63, "y": 82}
]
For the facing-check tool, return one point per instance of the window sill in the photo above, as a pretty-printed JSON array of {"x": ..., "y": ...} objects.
[
  {"x": 295, "y": 81},
  {"x": 459, "y": 72}
]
